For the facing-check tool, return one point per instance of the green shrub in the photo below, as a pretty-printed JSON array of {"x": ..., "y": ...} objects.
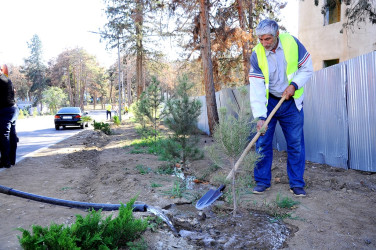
[
  {"x": 104, "y": 127},
  {"x": 116, "y": 120},
  {"x": 90, "y": 232},
  {"x": 86, "y": 118}
]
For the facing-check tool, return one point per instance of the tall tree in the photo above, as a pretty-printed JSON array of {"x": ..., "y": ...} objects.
[
  {"x": 54, "y": 97},
  {"x": 207, "y": 65},
  {"x": 138, "y": 21},
  {"x": 130, "y": 24},
  {"x": 75, "y": 71},
  {"x": 35, "y": 70},
  {"x": 20, "y": 83},
  {"x": 245, "y": 44}
]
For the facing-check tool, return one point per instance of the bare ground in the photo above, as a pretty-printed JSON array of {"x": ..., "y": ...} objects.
[{"x": 338, "y": 212}]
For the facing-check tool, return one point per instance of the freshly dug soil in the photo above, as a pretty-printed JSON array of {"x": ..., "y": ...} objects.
[{"x": 338, "y": 212}]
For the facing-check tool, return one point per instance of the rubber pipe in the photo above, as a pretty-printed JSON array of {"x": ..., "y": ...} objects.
[{"x": 67, "y": 203}]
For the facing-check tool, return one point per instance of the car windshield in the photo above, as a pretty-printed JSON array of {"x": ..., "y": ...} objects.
[{"x": 69, "y": 110}]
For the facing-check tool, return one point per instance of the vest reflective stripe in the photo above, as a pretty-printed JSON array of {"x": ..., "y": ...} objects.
[{"x": 290, "y": 50}]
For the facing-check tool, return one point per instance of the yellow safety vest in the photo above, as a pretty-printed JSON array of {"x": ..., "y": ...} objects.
[{"x": 290, "y": 49}]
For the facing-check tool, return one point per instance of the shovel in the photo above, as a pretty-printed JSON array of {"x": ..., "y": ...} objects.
[{"x": 213, "y": 194}]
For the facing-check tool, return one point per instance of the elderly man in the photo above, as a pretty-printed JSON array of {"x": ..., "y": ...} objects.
[{"x": 280, "y": 66}]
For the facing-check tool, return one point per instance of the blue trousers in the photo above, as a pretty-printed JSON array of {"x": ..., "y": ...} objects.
[
  {"x": 8, "y": 136},
  {"x": 291, "y": 121}
]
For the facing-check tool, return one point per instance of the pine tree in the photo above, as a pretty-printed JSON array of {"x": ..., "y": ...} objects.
[
  {"x": 181, "y": 117},
  {"x": 231, "y": 136},
  {"x": 154, "y": 99},
  {"x": 35, "y": 70}
]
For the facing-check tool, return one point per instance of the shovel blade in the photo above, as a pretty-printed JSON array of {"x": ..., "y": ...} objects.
[{"x": 210, "y": 197}]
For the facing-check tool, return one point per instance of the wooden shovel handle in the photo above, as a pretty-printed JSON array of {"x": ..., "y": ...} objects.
[{"x": 246, "y": 150}]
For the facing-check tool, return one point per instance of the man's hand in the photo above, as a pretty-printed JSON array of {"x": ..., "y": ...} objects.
[
  {"x": 289, "y": 91},
  {"x": 260, "y": 123}
]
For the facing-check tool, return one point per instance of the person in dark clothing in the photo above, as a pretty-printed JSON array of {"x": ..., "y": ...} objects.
[{"x": 8, "y": 117}]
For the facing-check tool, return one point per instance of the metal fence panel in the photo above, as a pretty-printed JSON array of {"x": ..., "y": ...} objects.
[
  {"x": 226, "y": 99},
  {"x": 325, "y": 117},
  {"x": 361, "y": 111},
  {"x": 203, "y": 124}
]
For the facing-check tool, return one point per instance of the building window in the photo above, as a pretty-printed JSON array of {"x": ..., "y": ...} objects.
[
  {"x": 328, "y": 63},
  {"x": 332, "y": 11}
]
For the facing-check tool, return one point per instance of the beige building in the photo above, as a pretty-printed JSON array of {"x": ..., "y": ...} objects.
[{"x": 321, "y": 31}]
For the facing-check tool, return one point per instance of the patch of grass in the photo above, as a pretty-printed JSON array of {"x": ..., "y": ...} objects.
[
  {"x": 285, "y": 202},
  {"x": 148, "y": 145},
  {"x": 156, "y": 185},
  {"x": 143, "y": 169},
  {"x": 279, "y": 208},
  {"x": 280, "y": 217},
  {"x": 165, "y": 169},
  {"x": 137, "y": 151}
]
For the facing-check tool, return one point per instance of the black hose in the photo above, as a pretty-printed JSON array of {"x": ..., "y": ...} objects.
[{"x": 67, "y": 203}]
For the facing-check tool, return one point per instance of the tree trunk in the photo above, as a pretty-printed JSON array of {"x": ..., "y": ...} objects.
[
  {"x": 245, "y": 47},
  {"x": 139, "y": 47},
  {"x": 129, "y": 84},
  {"x": 207, "y": 66},
  {"x": 69, "y": 86},
  {"x": 250, "y": 14},
  {"x": 95, "y": 100}
]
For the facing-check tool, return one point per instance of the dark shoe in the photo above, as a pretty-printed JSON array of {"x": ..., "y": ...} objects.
[
  {"x": 259, "y": 189},
  {"x": 298, "y": 191}
]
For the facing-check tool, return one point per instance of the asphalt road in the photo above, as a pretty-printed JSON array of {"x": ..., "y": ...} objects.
[{"x": 37, "y": 133}]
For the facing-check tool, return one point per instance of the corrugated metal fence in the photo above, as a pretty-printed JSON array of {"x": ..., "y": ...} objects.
[{"x": 340, "y": 115}]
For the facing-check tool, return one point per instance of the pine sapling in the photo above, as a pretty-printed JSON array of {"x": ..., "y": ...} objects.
[
  {"x": 155, "y": 100},
  {"x": 231, "y": 138},
  {"x": 182, "y": 114}
]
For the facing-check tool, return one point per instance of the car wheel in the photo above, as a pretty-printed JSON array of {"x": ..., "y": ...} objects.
[
  {"x": 57, "y": 127},
  {"x": 87, "y": 125},
  {"x": 82, "y": 126}
]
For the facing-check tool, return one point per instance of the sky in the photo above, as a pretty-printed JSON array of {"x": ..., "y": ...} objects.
[
  {"x": 60, "y": 25},
  {"x": 66, "y": 24}
]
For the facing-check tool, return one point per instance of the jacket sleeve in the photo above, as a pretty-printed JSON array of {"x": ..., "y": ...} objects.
[
  {"x": 257, "y": 90},
  {"x": 305, "y": 68}
]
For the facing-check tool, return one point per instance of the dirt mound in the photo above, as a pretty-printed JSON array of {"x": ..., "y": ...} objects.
[{"x": 338, "y": 212}]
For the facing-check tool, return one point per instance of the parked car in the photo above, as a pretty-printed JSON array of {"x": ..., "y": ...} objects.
[{"x": 69, "y": 116}]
